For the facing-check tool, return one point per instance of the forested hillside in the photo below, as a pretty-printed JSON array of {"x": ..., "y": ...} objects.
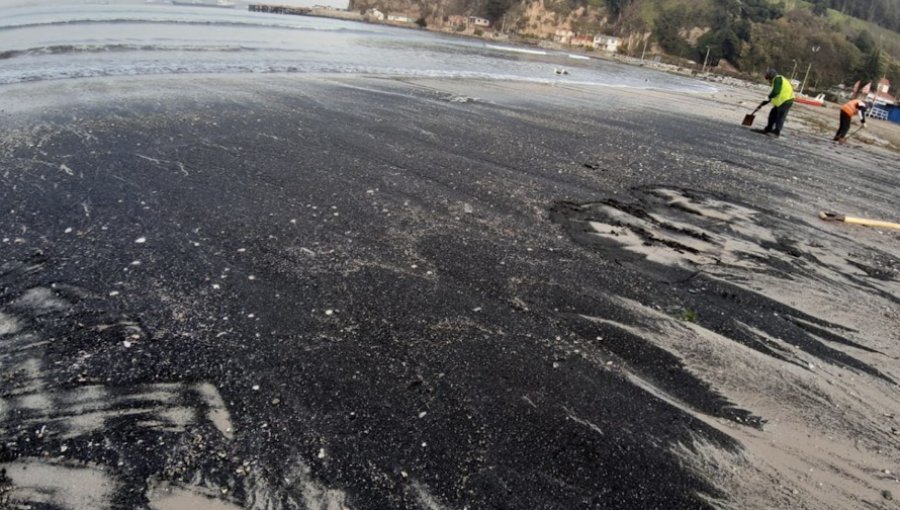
[
  {"x": 885, "y": 13},
  {"x": 840, "y": 41}
]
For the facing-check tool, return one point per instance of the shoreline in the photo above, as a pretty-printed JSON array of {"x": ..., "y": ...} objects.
[
  {"x": 888, "y": 134},
  {"x": 731, "y": 102}
]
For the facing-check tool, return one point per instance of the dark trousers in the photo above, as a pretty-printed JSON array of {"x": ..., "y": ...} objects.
[
  {"x": 845, "y": 126},
  {"x": 777, "y": 116}
]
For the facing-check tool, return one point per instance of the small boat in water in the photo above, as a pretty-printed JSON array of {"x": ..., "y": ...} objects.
[
  {"x": 812, "y": 101},
  {"x": 199, "y": 3}
]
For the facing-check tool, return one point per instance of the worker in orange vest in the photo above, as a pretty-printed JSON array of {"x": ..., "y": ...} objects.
[{"x": 851, "y": 108}]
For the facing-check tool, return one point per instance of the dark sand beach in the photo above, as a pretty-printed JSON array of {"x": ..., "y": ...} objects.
[{"x": 325, "y": 292}]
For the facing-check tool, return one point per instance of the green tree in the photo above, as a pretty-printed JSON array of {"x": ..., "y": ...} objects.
[
  {"x": 759, "y": 11},
  {"x": 743, "y": 29},
  {"x": 892, "y": 73},
  {"x": 864, "y": 41},
  {"x": 882, "y": 12},
  {"x": 615, "y": 7},
  {"x": 871, "y": 67},
  {"x": 722, "y": 43},
  {"x": 630, "y": 21},
  {"x": 820, "y": 7},
  {"x": 495, "y": 9},
  {"x": 666, "y": 31},
  {"x": 786, "y": 43}
]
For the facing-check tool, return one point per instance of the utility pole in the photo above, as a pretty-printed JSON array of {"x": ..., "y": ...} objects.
[
  {"x": 645, "y": 49},
  {"x": 705, "y": 60},
  {"x": 794, "y": 72},
  {"x": 805, "y": 77},
  {"x": 815, "y": 50}
]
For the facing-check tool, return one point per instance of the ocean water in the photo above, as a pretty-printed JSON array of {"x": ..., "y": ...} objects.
[{"x": 67, "y": 40}]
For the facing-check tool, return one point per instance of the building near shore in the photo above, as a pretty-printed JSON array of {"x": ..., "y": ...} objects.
[
  {"x": 400, "y": 18},
  {"x": 563, "y": 36},
  {"x": 480, "y": 22},
  {"x": 582, "y": 40},
  {"x": 883, "y": 92},
  {"x": 457, "y": 20},
  {"x": 606, "y": 43},
  {"x": 375, "y": 14},
  {"x": 279, "y": 9}
]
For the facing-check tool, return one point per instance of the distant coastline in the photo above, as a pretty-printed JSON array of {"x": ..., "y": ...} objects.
[{"x": 576, "y": 52}]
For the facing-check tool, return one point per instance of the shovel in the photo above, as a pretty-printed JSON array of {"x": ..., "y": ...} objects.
[
  {"x": 748, "y": 119},
  {"x": 844, "y": 139},
  {"x": 830, "y": 216}
]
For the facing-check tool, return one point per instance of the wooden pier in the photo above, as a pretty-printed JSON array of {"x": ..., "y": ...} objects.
[{"x": 280, "y": 9}]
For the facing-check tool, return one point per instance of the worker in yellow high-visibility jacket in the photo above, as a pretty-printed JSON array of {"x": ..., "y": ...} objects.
[{"x": 782, "y": 98}]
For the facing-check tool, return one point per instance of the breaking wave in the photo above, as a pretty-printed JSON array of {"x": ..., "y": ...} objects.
[
  {"x": 63, "y": 49},
  {"x": 171, "y": 21},
  {"x": 516, "y": 49}
]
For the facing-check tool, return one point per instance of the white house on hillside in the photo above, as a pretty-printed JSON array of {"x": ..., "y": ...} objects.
[
  {"x": 479, "y": 22},
  {"x": 375, "y": 14},
  {"x": 607, "y": 43},
  {"x": 883, "y": 92}
]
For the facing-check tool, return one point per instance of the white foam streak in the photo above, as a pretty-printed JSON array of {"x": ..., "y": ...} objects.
[{"x": 514, "y": 49}]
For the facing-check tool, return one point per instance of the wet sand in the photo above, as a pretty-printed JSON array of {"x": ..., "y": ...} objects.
[{"x": 319, "y": 292}]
